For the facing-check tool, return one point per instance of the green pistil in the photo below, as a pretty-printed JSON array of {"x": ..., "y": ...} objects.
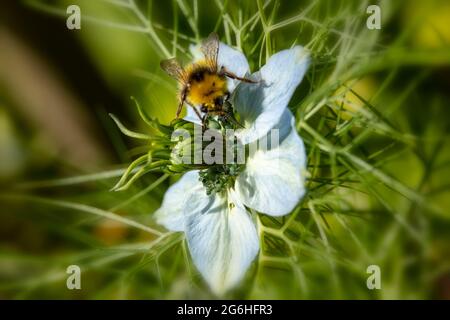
[{"x": 218, "y": 178}]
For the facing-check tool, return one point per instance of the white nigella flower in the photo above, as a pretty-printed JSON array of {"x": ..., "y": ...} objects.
[{"x": 220, "y": 232}]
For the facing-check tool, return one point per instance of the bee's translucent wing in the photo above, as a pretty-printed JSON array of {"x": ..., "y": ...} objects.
[
  {"x": 210, "y": 48},
  {"x": 173, "y": 69}
]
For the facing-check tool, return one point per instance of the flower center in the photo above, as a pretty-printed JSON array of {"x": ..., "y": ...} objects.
[
  {"x": 218, "y": 178},
  {"x": 182, "y": 146}
]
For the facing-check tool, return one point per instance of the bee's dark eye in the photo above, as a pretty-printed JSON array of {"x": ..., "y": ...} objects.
[{"x": 203, "y": 108}]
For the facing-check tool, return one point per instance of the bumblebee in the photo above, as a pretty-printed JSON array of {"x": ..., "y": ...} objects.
[{"x": 202, "y": 83}]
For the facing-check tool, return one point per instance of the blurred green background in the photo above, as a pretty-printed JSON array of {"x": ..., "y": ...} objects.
[{"x": 373, "y": 112}]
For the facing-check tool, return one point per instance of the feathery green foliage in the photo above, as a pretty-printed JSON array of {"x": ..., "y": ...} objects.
[{"x": 375, "y": 128}]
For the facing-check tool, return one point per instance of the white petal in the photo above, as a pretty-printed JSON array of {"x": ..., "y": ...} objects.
[
  {"x": 222, "y": 239},
  {"x": 261, "y": 105},
  {"x": 191, "y": 116},
  {"x": 232, "y": 59},
  {"x": 170, "y": 214},
  {"x": 235, "y": 61},
  {"x": 272, "y": 181},
  {"x": 196, "y": 52}
]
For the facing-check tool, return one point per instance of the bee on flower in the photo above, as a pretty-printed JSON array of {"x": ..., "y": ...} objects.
[
  {"x": 211, "y": 202},
  {"x": 203, "y": 83},
  {"x": 211, "y": 206}
]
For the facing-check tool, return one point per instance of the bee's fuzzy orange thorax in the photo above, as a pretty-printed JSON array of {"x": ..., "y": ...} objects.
[{"x": 205, "y": 85}]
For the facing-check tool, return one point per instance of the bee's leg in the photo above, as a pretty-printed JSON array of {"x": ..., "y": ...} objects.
[
  {"x": 182, "y": 99},
  {"x": 224, "y": 71},
  {"x": 195, "y": 110},
  {"x": 229, "y": 116},
  {"x": 197, "y": 113},
  {"x": 205, "y": 116},
  {"x": 204, "y": 109}
]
